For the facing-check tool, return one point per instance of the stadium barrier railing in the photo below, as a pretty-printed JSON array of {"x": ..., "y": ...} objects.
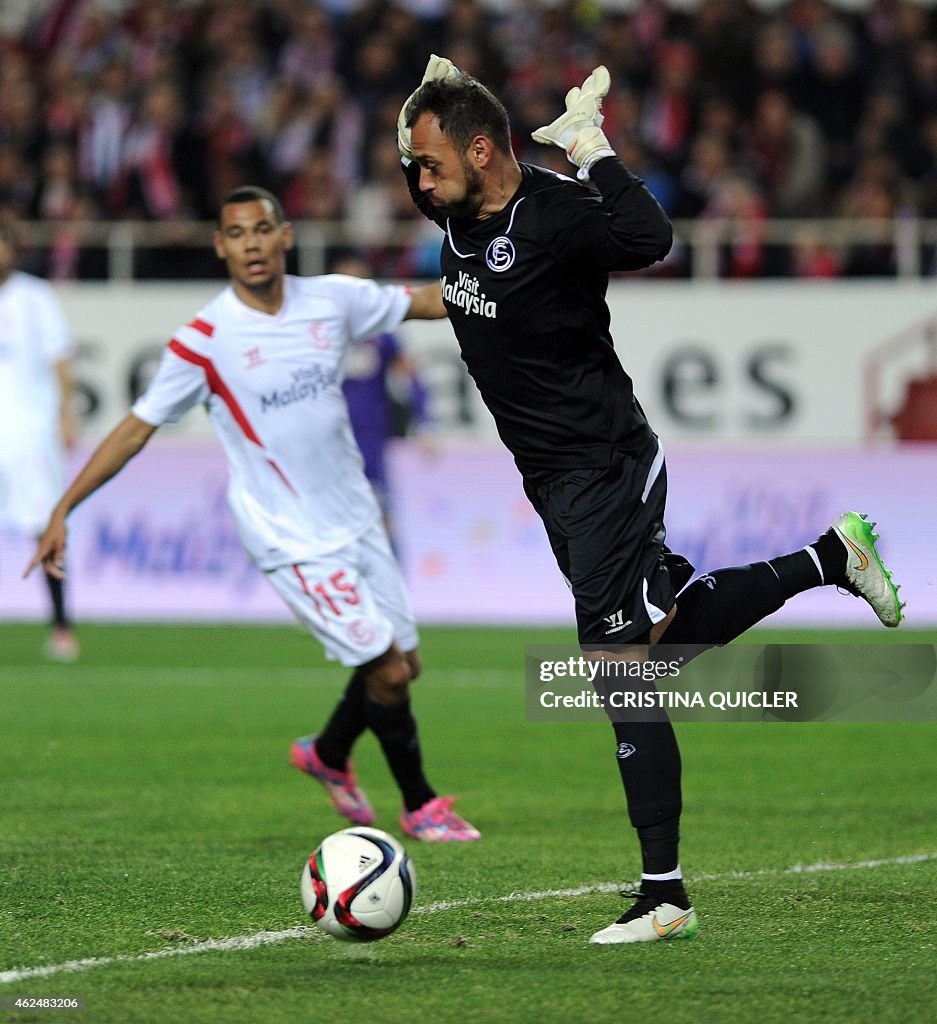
[{"x": 908, "y": 244}]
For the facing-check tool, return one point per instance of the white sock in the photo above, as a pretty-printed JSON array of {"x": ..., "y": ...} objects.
[{"x": 668, "y": 876}]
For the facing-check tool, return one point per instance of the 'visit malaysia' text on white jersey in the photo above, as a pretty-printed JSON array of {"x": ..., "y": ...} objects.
[{"x": 272, "y": 387}]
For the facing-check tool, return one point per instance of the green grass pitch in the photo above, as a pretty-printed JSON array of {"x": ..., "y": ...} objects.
[{"x": 146, "y": 805}]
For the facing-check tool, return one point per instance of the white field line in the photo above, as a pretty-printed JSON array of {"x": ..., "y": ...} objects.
[
  {"x": 725, "y": 876},
  {"x": 239, "y": 942}
]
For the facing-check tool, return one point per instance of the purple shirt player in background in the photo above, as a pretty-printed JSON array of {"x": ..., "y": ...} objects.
[{"x": 378, "y": 376}]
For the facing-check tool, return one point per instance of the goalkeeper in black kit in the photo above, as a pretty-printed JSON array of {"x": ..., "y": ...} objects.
[{"x": 525, "y": 264}]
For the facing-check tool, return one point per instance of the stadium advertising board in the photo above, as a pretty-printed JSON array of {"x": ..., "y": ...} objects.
[
  {"x": 157, "y": 542},
  {"x": 752, "y": 362}
]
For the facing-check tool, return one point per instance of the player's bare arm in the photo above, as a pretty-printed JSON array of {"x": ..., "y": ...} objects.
[
  {"x": 426, "y": 303},
  {"x": 110, "y": 457}
]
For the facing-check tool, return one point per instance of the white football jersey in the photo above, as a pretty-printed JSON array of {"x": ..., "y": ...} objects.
[
  {"x": 34, "y": 336},
  {"x": 273, "y": 389}
]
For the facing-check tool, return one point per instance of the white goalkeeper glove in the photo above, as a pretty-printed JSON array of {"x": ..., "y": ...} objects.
[
  {"x": 579, "y": 129},
  {"x": 437, "y": 68}
]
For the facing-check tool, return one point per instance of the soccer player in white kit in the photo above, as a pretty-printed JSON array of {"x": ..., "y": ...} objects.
[
  {"x": 37, "y": 417},
  {"x": 266, "y": 358}
]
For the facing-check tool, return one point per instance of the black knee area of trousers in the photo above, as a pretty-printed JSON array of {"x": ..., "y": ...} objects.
[
  {"x": 721, "y": 605},
  {"x": 649, "y": 763}
]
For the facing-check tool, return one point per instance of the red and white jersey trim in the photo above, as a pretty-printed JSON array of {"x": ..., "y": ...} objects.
[{"x": 272, "y": 388}]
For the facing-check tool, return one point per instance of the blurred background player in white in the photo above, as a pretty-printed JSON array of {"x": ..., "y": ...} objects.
[
  {"x": 37, "y": 417},
  {"x": 266, "y": 357},
  {"x": 385, "y": 395}
]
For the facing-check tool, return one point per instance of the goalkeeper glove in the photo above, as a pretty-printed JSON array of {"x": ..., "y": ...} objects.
[
  {"x": 579, "y": 129},
  {"x": 436, "y": 69}
]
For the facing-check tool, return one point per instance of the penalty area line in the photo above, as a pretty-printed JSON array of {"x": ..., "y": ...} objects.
[{"x": 271, "y": 938}]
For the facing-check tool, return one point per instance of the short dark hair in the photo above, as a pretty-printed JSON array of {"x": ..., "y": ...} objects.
[
  {"x": 464, "y": 108},
  {"x": 253, "y": 194}
]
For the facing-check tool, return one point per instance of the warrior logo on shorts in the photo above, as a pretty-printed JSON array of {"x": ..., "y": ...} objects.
[
  {"x": 624, "y": 750},
  {"x": 361, "y": 632},
  {"x": 500, "y": 254},
  {"x": 616, "y": 622}
]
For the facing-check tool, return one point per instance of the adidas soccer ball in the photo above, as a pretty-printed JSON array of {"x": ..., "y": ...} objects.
[{"x": 358, "y": 884}]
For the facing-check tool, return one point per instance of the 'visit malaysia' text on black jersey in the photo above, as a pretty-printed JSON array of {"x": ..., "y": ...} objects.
[{"x": 525, "y": 290}]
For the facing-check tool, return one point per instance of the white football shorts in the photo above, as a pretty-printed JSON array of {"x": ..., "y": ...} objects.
[
  {"x": 32, "y": 478},
  {"x": 353, "y": 600}
]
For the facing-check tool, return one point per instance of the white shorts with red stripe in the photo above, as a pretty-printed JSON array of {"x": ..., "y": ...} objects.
[{"x": 353, "y": 600}]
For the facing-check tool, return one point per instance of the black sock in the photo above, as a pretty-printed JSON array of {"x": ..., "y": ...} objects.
[
  {"x": 671, "y": 891},
  {"x": 799, "y": 571},
  {"x": 57, "y": 593},
  {"x": 832, "y": 555},
  {"x": 649, "y": 764},
  {"x": 721, "y": 605},
  {"x": 660, "y": 846},
  {"x": 348, "y": 722},
  {"x": 395, "y": 729}
]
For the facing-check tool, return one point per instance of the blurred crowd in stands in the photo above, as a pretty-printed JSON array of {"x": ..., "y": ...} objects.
[{"x": 155, "y": 109}]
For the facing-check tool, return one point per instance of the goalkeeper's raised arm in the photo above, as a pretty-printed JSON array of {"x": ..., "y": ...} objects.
[
  {"x": 455, "y": 145},
  {"x": 638, "y": 231}
]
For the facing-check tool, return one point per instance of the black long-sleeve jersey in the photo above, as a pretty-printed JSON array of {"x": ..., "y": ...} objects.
[{"x": 525, "y": 290}]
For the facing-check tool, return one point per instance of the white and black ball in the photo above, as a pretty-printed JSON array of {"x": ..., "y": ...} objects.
[{"x": 358, "y": 884}]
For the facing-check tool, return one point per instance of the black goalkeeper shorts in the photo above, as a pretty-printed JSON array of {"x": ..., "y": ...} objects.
[{"x": 606, "y": 528}]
